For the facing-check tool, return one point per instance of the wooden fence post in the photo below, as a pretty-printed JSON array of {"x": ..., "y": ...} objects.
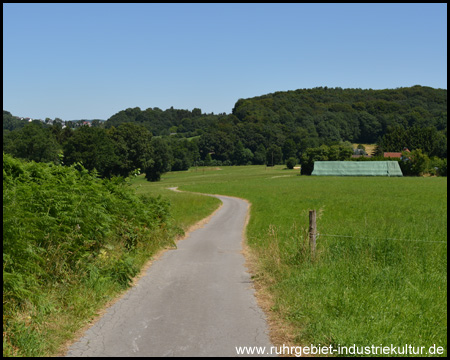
[{"x": 312, "y": 232}]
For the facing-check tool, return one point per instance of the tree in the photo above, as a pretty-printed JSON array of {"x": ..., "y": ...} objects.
[
  {"x": 196, "y": 112},
  {"x": 93, "y": 148},
  {"x": 241, "y": 155},
  {"x": 127, "y": 115},
  {"x": 370, "y": 128},
  {"x": 345, "y": 151},
  {"x": 218, "y": 142},
  {"x": 426, "y": 139},
  {"x": 184, "y": 153},
  {"x": 208, "y": 159},
  {"x": 395, "y": 139},
  {"x": 259, "y": 157},
  {"x": 327, "y": 129},
  {"x": 11, "y": 122},
  {"x": 32, "y": 142},
  {"x": 416, "y": 163},
  {"x": 440, "y": 146},
  {"x": 289, "y": 149},
  {"x": 160, "y": 160},
  {"x": 310, "y": 156},
  {"x": 274, "y": 155},
  {"x": 132, "y": 147}
]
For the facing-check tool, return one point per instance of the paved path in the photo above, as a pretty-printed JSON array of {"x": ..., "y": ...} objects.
[{"x": 196, "y": 300}]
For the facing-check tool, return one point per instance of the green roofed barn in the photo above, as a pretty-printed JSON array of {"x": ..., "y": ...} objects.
[{"x": 357, "y": 168}]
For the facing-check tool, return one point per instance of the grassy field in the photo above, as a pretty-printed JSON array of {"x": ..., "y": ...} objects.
[
  {"x": 380, "y": 272},
  {"x": 370, "y": 148}
]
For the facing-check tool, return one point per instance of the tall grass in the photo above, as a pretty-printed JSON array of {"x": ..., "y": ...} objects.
[
  {"x": 382, "y": 280},
  {"x": 71, "y": 242}
]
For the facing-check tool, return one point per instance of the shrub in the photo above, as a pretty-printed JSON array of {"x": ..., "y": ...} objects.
[
  {"x": 291, "y": 162},
  {"x": 438, "y": 166},
  {"x": 63, "y": 225},
  {"x": 416, "y": 163}
]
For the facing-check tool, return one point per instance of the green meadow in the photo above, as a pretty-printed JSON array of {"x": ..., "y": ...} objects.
[{"x": 379, "y": 275}]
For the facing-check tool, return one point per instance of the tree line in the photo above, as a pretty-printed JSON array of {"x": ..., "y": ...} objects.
[
  {"x": 111, "y": 152},
  {"x": 268, "y": 129}
]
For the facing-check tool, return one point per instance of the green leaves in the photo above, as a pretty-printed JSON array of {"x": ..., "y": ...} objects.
[
  {"x": 93, "y": 148},
  {"x": 60, "y": 223},
  {"x": 32, "y": 142},
  {"x": 160, "y": 160}
]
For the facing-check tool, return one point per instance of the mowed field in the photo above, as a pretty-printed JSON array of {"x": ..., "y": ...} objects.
[{"x": 379, "y": 276}]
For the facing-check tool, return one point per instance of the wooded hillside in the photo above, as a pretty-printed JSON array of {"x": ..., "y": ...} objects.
[
  {"x": 267, "y": 129},
  {"x": 292, "y": 121}
]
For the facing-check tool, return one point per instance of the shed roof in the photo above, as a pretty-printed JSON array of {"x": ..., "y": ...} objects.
[
  {"x": 392, "y": 154},
  {"x": 357, "y": 168}
]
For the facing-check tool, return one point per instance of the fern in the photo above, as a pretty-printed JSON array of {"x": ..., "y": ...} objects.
[{"x": 64, "y": 227}]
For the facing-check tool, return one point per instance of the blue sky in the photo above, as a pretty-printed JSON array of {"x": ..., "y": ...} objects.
[{"x": 87, "y": 61}]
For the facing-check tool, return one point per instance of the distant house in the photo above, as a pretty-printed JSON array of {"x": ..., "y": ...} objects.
[
  {"x": 392, "y": 155},
  {"x": 395, "y": 154},
  {"x": 357, "y": 153}
]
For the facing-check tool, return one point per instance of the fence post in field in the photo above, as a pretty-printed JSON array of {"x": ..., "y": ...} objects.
[{"x": 312, "y": 232}]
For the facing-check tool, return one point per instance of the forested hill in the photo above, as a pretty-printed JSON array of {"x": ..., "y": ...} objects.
[
  {"x": 292, "y": 121},
  {"x": 355, "y": 115},
  {"x": 159, "y": 122},
  {"x": 267, "y": 129},
  {"x": 329, "y": 114}
]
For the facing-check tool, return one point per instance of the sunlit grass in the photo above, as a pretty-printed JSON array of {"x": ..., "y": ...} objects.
[{"x": 383, "y": 280}]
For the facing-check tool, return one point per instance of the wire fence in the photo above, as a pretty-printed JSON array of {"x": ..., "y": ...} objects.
[
  {"x": 313, "y": 234},
  {"x": 377, "y": 238}
]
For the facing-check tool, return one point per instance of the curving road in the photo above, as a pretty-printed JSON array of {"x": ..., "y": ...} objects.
[{"x": 196, "y": 300}]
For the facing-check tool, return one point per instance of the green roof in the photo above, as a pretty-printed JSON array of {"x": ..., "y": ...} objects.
[{"x": 357, "y": 168}]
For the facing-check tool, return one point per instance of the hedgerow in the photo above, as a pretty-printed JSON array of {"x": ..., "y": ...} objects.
[{"x": 64, "y": 227}]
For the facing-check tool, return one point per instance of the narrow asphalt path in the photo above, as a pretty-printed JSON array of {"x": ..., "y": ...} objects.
[{"x": 197, "y": 300}]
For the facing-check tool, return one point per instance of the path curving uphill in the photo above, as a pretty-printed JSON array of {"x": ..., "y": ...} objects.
[{"x": 197, "y": 300}]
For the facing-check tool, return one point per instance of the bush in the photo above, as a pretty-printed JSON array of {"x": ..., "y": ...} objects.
[
  {"x": 438, "y": 166},
  {"x": 63, "y": 226},
  {"x": 415, "y": 163},
  {"x": 291, "y": 162}
]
